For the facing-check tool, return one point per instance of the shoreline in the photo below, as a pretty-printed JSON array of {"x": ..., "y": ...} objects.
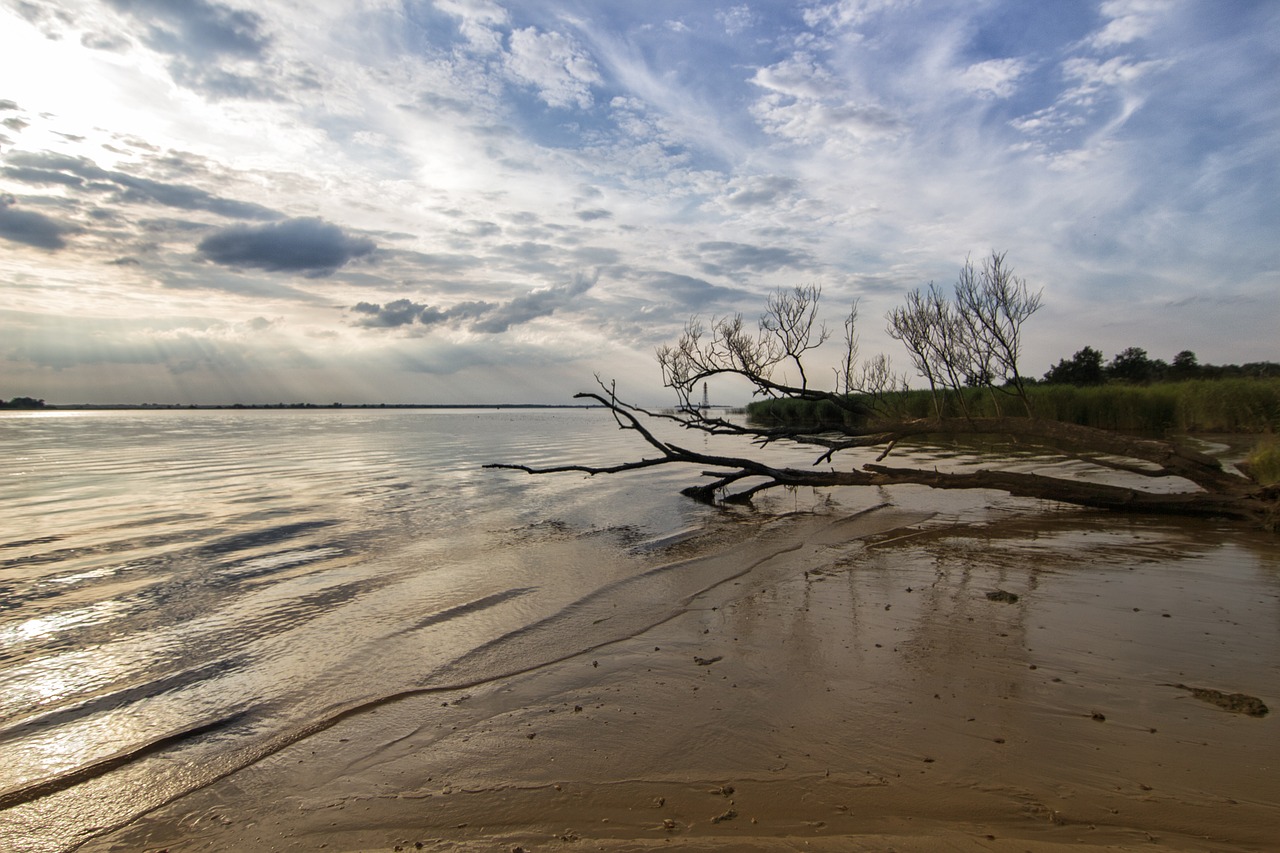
[{"x": 859, "y": 691}]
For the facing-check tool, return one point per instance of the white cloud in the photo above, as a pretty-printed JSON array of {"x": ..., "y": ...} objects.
[
  {"x": 833, "y": 125},
  {"x": 797, "y": 76},
  {"x": 555, "y": 65},
  {"x": 480, "y": 22},
  {"x": 735, "y": 19},
  {"x": 850, "y": 13},
  {"x": 1130, "y": 20},
  {"x": 493, "y": 155},
  {"x": 996, "y": 78}
]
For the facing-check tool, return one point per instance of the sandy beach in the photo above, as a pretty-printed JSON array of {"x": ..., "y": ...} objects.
[{"x": 856, "y": 687}]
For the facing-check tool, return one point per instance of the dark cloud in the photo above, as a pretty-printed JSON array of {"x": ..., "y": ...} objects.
[
  {"x": 594, "y": 214},
  {"x": 690, "y": 292},
  {"x": 221, "y": 83},
  {"x": 41, "y": 177},
  {"x": 197, "y": 29},
  {"x": 763, "y": 191},
  {"x": 189, "y": 198},
  {"x": 309, "y": 245},
  {"x": 15, "y": 124},
  {"x": 732, "y": 259},
  {"x": 6, "y": 104},
  {"x": 405, "y": 312},
  {"x": 31, "y": 228},
  {"x": 199, "y": 35},
  {"x": 47, "y": 167},
  {"x": 537, "y": 303},
  {"x": 596, "y": 255},
  {"x": 486, "y": 317}
]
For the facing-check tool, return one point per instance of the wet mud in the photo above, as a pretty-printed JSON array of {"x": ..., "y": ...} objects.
[{"x": 839, "y": 684}]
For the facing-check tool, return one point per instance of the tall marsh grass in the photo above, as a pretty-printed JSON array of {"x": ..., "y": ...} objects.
[
  {"x": 1204, "y": 406},
  {"x": 1263, "y": 463}
]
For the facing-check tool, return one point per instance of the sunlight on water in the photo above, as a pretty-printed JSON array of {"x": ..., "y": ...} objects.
[
  {"x": 242, "y": 574},
  {"x": 182, "y": 592}
]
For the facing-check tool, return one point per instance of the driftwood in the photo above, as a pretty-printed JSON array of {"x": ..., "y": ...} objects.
[
  {"x": 956, "y": 345},
  {"x": 1212, "y": 491}
]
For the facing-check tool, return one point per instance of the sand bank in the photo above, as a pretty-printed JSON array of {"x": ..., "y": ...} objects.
[{"x": 858, "y": 690}]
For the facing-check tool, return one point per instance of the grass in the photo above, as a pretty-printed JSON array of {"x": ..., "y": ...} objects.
[
  {"x": 1264, "y": 462},
  {"x": 1203, "y": 406}
]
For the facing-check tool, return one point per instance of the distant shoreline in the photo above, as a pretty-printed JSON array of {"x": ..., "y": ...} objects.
[{"x": 151, "y": 407}]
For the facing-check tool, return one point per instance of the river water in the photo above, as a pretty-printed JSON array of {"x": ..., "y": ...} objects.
[{"x": 183, "y": 593}]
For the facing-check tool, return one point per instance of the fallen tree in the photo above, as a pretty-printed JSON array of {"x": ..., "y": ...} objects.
[{"x": 956, "y": 344}]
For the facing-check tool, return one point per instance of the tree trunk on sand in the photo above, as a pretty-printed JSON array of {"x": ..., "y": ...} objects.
[{"x": 1214, "y": 492}]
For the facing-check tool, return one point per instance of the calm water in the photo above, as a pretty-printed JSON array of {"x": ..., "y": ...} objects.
[{"x": 183, "y": 592}]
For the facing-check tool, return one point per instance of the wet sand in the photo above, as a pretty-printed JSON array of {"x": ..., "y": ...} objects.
[{"x": 857, "y": 690}]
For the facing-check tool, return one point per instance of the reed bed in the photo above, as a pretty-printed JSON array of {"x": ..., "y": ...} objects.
[{"x": 1194, "y": 406}]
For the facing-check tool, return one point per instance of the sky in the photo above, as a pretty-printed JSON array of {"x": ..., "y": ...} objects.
[{"x": 474, "y": 201}]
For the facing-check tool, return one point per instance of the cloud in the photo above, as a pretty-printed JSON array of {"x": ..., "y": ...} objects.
[
  {"x": 31, "y": 228},
  {"x": 308, "y": 245},
  {"x": 47, "y": 167},
  {"x": 105, "y": 41},
  {"x": 850, "y": 13},
  {"x": 405, "y": 312},
  {"x": 555, "y": 65},
  {"x": 735, "y": 19},
  {"x": 1130, "y": 20},
  {"x": 994, "y": 78},
  {"x": 198, "y": 29},
  {"x": 689, "y": 292},
  {"x": 484, "y": 317},
  {"x": 806, "y": 103},
  {"x": 41, "y": 177},
  {"x": 761, "y": 190},
  {"x": 593, "y": 214},
  {"x": 537, "y": 303},
  {"x": 6, "y": 104},
  {"x": 730, "y": 259},
  {"x": 214, "y": 48}
]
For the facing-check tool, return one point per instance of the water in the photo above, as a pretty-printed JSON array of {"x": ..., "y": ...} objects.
[{"x": 185, "y": 591}]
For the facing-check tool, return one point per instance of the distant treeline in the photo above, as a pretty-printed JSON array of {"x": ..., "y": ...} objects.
[
  {"x": 32, "y": 403},
  {"x": 22, "y": 403},
  {"x": 1086, "y": 367},
  {"x": 1197, "y": 405}
]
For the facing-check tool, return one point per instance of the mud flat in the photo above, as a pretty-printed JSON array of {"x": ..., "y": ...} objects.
[{"x": 854, "y": 688}]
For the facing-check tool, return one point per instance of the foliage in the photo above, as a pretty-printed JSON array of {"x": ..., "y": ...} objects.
[
  {"x": 1133, "y": 365},
  {"x": 967, "y": 348},
  {"x": 1263, "y": 463},
  {"x": 1228, "y": 405},
  {"x": 22, "y": 403},
  {"x": 1084, "y": 368}
]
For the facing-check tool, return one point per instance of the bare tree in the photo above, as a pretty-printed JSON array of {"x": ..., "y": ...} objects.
[{"x": 975, "y": 340}]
